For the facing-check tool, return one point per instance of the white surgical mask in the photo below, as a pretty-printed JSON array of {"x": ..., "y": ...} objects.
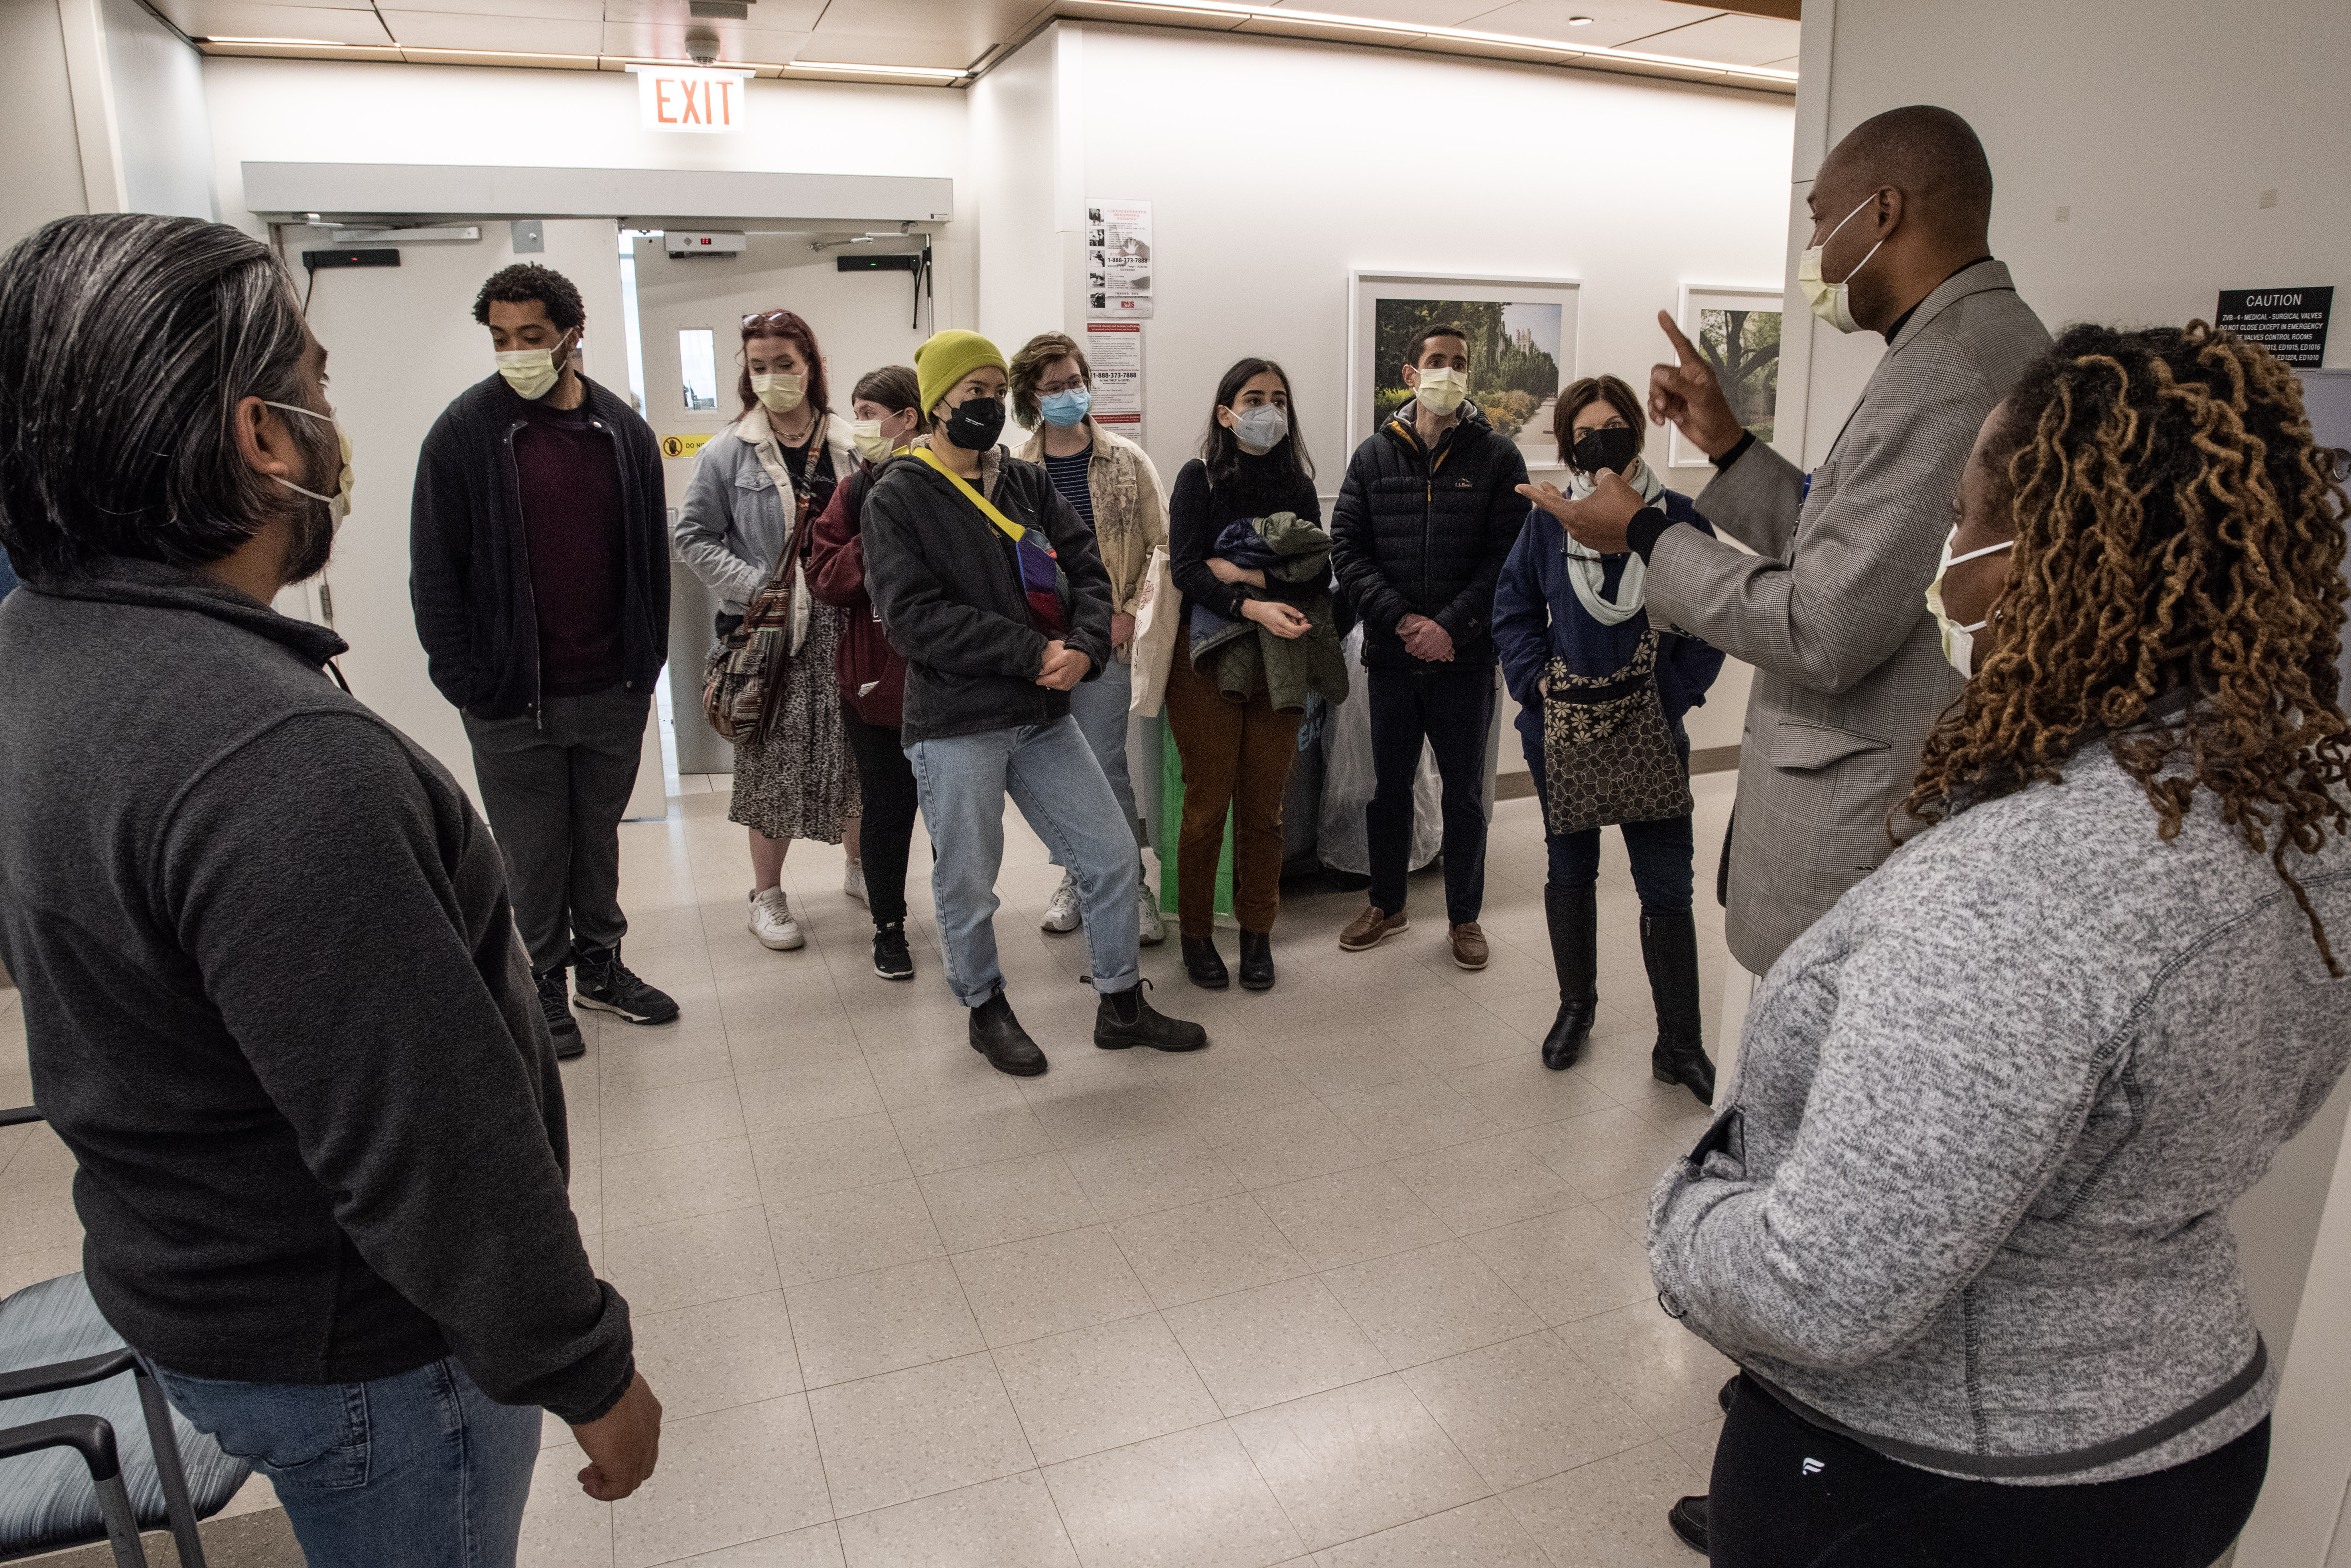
[
  {"x": 865, "y": 434},
  {"x": 339, "y": 505},
  {"x": 1441, "y": 392},
  {"x": 1829, "y": 300},
  {"x": 781, "y": 392},
  {"x": 1260, "y": 429},
  {"x": 532, "y": 372},
  {"x": 1959, "y": 641}
]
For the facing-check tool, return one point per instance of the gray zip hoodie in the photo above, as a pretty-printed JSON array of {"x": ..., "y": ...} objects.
[{"x": 1970, "y": 1201}]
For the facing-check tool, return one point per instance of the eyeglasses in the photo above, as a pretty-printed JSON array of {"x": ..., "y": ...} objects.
[{"x": 1067, "y": 384}]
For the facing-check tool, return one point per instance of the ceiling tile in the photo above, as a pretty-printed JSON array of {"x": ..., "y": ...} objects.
[
  {"x": 666, "y": 41},
  {"x": 1614, "y": 22},
  {"x": 496, "y": 35},
  {"x": 1422, "y": 13},
  {"x": 975, "y": 26},
  {"x": 544, "y": 10},
  {"x": 1731, "y": 40},
  {"x": 853, "y": 50},
  {"x": 768, "y": 15},
  {"x": 246, "y": 19}
]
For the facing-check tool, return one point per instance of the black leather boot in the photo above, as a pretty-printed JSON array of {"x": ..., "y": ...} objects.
[
  {"x": 1204, "y": 964},
  {"x": 998, "y": 1035},
  {"x": 1257, "y": 960},
  {"x": 1124, "y": 1019},
  {"x": 1574, "y": 920},
  {"x": 1573, "y": 916},
  {"x": 1670, "y": 949}
]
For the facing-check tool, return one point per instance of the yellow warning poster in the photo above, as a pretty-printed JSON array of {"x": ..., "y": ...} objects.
[{"x": 683, "y": 445}]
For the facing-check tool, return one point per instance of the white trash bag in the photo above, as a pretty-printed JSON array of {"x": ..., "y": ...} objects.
[{"x": 1341, "y": 843}]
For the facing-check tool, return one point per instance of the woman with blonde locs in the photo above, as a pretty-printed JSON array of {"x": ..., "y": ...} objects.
[
  {"x": 756, "y": 491},
  {"x": 2044, "y": 1047}
]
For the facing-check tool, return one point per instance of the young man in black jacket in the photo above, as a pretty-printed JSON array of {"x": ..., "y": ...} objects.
[
  {"x": 1424, "y": 520},
  {"x": 538, "y": 553},
  {"x": 320, "y": 1138},
  {"x": 993, "y": 591}
]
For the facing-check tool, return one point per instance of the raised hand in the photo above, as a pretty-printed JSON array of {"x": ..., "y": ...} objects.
[
  {"x": 1687, "y": 396},
  {"x": 1596, "y": 522}
]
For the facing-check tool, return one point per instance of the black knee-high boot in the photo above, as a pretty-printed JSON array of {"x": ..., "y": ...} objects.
[
  {"x": 1670, "y": 949},
  {"x": 1574, "y": 916}
]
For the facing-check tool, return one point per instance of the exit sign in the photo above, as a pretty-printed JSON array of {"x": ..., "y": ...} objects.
[{"x": 690, "y": 99}]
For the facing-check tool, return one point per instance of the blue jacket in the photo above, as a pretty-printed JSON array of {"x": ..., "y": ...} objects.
[{"x": 1537, "y": 615}]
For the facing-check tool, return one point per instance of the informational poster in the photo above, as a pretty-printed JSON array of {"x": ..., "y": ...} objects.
[
  {"x": 1118, "y": 258},
  {"x": 1114, "y": 349},
  {"x": 2289, "y": 322}
]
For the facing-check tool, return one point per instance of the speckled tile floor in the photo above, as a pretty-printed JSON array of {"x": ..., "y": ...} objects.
[{"x": 1362, "y": 1284}]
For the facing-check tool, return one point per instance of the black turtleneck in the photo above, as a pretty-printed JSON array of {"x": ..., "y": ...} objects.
[{"x": 1199, "y": 511}]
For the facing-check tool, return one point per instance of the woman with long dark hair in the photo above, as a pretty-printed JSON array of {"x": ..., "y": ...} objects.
[
  {"x": 1236, "y": 755},
  {"x": 756, "y": 488},
  {"x": 1965, "y": 1224}
]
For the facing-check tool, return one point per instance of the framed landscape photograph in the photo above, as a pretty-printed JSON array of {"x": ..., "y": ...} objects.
[
  {"x": 1521, "y": 335},
  {"x": 1738, "y": 330}
]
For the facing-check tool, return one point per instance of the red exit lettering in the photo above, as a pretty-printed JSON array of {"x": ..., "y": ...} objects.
[{"x": 660, "y": 100}]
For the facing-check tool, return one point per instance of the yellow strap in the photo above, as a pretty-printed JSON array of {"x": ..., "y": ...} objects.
[{"x": 1012, "y": 528}]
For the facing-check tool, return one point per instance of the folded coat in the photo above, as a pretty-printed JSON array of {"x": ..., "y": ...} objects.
[{"x": 1287, "y": 548}]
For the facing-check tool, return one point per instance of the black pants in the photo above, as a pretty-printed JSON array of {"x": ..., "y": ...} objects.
[
  {"x": 1787, "y": 1495},
  {"x": 554, "y": 788},
  {"x": 885, "y": 789},
  {"x": 1449, "y": 707}
]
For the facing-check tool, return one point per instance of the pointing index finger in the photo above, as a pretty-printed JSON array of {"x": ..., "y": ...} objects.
[{"x": 1683, "y": 347}]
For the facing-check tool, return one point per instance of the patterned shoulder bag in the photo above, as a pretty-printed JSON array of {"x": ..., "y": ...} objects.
[{"x": 1608, "y": 753}]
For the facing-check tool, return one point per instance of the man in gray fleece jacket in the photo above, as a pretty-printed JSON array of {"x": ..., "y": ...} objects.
[{"x": 273, "y": 995}]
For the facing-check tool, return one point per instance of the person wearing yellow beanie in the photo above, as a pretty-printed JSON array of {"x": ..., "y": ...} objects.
[
  {"x": 947, "y": 358},
  {"x": 992, "y": 588}
]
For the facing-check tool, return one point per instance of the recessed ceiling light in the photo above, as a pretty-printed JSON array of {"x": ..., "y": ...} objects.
[
  {"x": 312, "y": 43},
  {"x": 1579, "y": 21}
]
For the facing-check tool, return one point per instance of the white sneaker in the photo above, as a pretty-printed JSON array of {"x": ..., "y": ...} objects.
[
  {"x": 1062, "y": 914},
  {"x": 852, "y": 881},
  {"x": 1154, "y": 931},
  {"x": 771, "y": 921}
]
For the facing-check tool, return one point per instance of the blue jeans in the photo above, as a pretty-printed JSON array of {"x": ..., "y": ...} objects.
[
  {"x": 1661, "y": 852},
  {"x": 416, "y": 1470},
  {"x": 1449, "y": 706},
  {"x": 1099, "y": 708},
  {"x": 1052, "y": 775}
]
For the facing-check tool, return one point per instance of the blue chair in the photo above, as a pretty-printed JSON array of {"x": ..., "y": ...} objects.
[{"x": 68, "y": 1385}]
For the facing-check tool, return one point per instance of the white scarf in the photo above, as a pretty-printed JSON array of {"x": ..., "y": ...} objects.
[{"x": 1585, "y": 571}]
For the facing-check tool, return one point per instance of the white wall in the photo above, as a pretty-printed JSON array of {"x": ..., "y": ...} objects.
[
  {"x": 37, "y": 120},
  {"x": 2159, "y": 124},
  {"x": 158, "y": 111},
  {"x": 1275, "y": 168}
]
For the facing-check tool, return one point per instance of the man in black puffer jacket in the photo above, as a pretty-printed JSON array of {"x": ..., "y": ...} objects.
[{"x": 1427, "y": 514}]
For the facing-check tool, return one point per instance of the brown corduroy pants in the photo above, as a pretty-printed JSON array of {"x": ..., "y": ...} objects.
[{"x": 1235, "y": 754}]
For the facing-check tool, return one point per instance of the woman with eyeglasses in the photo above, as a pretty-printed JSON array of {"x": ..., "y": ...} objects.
[
  {"x": 1110, "y": 483},
  {"x": 872, "y": 676},
  {"x": 1566, "y": 615},
  {"x": 757, "y": 488}
]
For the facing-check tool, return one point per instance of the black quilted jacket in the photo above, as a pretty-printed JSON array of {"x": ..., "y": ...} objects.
[{"x": 1425, "y": 532}]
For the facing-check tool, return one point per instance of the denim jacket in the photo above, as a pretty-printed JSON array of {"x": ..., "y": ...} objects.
[{"x": 735, "y": 522}]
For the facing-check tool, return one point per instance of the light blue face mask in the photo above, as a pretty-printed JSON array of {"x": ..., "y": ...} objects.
[{"x": 1066, "y": 408}]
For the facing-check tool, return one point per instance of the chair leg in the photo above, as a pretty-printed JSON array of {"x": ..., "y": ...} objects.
[
  {"x": 177, "y": 1505},
  {"x": 122, "y": 1524}
]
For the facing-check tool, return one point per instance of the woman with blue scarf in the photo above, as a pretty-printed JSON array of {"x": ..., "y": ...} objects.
[{"x": 1567, "y": 618}]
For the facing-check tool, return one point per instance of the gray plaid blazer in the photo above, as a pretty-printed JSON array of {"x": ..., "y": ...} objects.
[{"x": 1832, "y": 608}]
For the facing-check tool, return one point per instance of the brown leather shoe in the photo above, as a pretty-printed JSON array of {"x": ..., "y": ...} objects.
[
  {"x": 1367, "y": 929},
  {"x": 1469, "y": 945}
]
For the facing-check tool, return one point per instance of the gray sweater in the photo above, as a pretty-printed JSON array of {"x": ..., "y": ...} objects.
[
  {"x": 1970, "y": 1200},
  {"x": 276, "y": 1007}
]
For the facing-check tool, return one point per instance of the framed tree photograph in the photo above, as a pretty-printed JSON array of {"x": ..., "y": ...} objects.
[
  {"x": 1738, "y": 330},
  {"x": 1521, "y": 336}
]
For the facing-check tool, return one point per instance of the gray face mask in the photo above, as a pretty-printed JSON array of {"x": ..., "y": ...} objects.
[{"x": 1260, "y": 429}]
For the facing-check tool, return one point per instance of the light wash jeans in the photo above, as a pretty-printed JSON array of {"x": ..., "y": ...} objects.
[
  {"x": 1052, "y": 775},
  {"x": 1099, "y": 708},
  {"x": 417, "y": 1471}
]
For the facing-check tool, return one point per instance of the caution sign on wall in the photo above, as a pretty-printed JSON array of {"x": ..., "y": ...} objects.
[{"x": 683, "y": 445}]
